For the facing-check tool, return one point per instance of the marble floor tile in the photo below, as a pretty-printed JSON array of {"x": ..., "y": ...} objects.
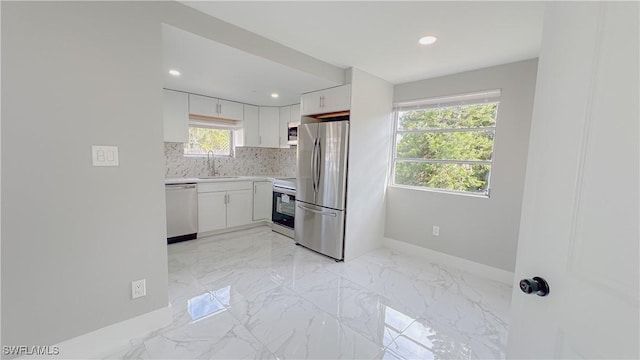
[{"x": 254, "y": 294}]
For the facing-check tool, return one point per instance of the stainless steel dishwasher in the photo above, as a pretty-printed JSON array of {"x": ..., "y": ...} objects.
[{"x": 182, "y": 212}]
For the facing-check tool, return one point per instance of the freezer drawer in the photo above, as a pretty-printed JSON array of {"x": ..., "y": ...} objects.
[{"x": 320, "y": 229}]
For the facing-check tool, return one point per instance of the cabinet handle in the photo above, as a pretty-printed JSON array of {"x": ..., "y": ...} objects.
[
  {"x": 228, "y": 199},
  {"x": 260, "y": 141}
]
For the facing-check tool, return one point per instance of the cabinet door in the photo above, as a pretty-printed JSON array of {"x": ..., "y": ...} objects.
[
  {"x": 262, "y": 199},
  {"x": 176, "y": 116},
  {"x": 230, "y": 110},
  {"x": 202, "y": 105},
  {"x": 295, "y": 113},
  {"x": 337, "y": 99},
  {"x": 239, "y": 207},
  {"x": 327, "y": 101},
  {"x": 269, "y": 126},
  {"x": 311, "y": 103},
  {"x": 251, "y": 126},
  {"x": 285, "y": 118},
  {"x": 212, "y": 211}
]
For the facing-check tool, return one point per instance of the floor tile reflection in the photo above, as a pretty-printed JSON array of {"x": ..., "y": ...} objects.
[{"x": 254, "y": 294}]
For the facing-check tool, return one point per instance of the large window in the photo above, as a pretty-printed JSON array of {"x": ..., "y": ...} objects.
[
  {"x": 205, "y": 139},
  {"x": 446, "y": 143}
]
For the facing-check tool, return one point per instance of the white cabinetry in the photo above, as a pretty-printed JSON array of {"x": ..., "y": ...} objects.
[
  {"x": 327, "y": 101},
  {"x": 224, "y": 204},
  {"x": 230, "y": 110},
  {"x": 176, "y": 116},
  {"x": 262, "y": 200},
  {"x": 239, "y": 207},
  {"x": 295, "y": 113},
  {"x": 251, "y": 126},
  {"x": 212, "y": 211},
  {"x": 217, "y": 108},
  {"x": 269, "y": 125}
]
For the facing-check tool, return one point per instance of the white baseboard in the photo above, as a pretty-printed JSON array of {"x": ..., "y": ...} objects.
[
  {"x": 486, "y": 271},
  {"x": 108, "y": 340}
]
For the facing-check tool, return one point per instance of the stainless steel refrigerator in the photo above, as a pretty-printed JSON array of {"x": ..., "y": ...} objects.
[{"x": 321, "y": 187}]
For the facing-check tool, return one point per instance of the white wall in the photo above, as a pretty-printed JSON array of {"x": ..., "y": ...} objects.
[
  {"x": 477, "y": 229},
  {"x": 75, "y": 236},
  {"x": 369, "y": 149}
]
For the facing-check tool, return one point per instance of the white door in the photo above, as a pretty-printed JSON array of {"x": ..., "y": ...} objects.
[
  {"x": 262, "y": 200},
  {"x": 230, "y": 110},
  {"x": 251, "y": 126},
  {"x": 579, "y": 227},
  {"x": 239, "y": 207},
  {"x": 269, "y": 126},
  {"x": 212, "y": 211}
]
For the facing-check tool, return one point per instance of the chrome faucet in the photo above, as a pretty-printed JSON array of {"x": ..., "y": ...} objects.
[{"x": 211, "y": 161}]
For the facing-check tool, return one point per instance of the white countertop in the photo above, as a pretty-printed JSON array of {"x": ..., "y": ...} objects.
[{"x": 217, "y": 179}]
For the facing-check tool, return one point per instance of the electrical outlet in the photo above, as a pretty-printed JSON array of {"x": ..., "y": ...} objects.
[
  {"x": 436, "y": 230},
  {"x": 138, "y": 288}
]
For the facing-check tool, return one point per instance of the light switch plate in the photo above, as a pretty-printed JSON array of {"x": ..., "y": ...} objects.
[{"x": 104, "y": 155}]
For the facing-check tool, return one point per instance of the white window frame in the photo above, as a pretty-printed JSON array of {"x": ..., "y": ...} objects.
[
  {"x": 489, "y": 96},
  {"x": 230, "y": 126}
]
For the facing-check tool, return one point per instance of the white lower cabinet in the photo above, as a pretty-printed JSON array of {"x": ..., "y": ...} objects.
[
  {"x": 262, "y": 200},
  {"x": 239, "y": 206},
  {"x": 224, "y": 204},
  {"x": 212, "y": 211}
]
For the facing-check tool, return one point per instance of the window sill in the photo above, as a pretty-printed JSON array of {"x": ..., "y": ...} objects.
[
  {"x": 205, "y": 156},
  {"x": 440, "y": 191}
]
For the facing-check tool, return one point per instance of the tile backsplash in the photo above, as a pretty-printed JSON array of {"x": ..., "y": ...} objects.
[{"x": 248, "y": 161}]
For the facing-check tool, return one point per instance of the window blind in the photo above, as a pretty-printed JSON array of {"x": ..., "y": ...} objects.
[{"x": 445, "y": 101}]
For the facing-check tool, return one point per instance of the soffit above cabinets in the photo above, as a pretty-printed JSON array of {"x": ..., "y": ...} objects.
[{"x": 217, "y": 70}]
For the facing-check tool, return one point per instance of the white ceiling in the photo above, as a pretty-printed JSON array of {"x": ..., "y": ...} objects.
[
  {"x": 382, "y": 37},
  {"x": 214, "y": 69},
  {"x": 379, "y": 37}
]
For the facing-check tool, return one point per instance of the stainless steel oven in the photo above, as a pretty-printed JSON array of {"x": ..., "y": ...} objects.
[{"x": 284, "y": 206}]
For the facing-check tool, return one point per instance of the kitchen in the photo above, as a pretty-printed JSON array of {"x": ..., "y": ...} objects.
[{"x": 100, "y": 87}]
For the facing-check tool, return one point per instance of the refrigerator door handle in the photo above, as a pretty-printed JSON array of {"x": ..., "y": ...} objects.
[
  {"x": 318, "y": 165},
  {"x": 327, "y": 213},
  {"x": 314, "y": 163}
]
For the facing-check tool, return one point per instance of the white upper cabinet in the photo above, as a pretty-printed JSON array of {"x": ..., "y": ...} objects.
[
  {"x": 269, "y": 126},
  {"x": 230, "y": 110},
  {"x": 212, "y": 107},
  {"x": 251, "y": 126},
  {"x": 202, "y": 105},
  {"x": 285, "y": 118},
  {"x": 327, "y": 101},
  {"x": 176, "y": 116},
  {"x": 295, "y": 113}
]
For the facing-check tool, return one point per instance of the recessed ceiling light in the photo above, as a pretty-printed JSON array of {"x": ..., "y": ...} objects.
[
  {"x": 427, "y": 40},
  {"x": 275, "y": 95},
  {"x": 174, "y": 72}
]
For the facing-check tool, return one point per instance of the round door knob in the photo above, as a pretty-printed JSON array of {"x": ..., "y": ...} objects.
[{"x": 536, "y": 285}]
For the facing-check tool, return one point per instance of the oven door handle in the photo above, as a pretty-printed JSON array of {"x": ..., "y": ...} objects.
[{"x": 289, "y": 192}]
